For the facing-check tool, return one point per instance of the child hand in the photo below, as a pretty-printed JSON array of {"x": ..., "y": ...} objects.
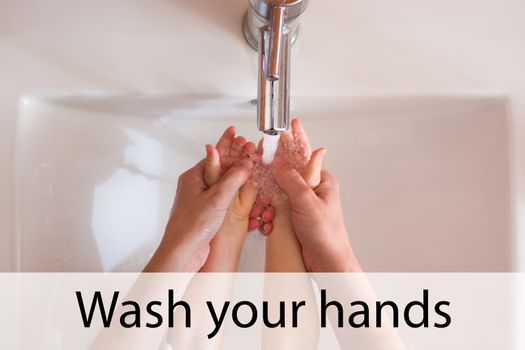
[
  {"x": 219, "y": 159},
  {"x": 294, "y": 148}
]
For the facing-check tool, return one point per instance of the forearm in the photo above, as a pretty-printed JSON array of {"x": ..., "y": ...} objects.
[
  {"x": 226, "y": 247},
  {"x": 179, "y": 257},
  {"x": 283, "y": 251},
  {"x": 224, "y": 254},
  {"x": 283, "y": 254}
]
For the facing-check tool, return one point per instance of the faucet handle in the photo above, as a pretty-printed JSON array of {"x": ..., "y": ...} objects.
[{"x": 276, "y": 32}]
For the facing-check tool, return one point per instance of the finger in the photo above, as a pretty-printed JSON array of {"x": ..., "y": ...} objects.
[
  {"x": 285, "y": 140},
  {"x": 256, "y": 210},
  {"x": 225, "y": 142},
  {"x": 266, "y": 229},
  {"x": 300, "y": 136},
  {"x": 328, "y": 189},
  {"x": 293, "y": 184},
  {"x": 212, "y": 167},
  {"x": 247, "y": 195},
  {"x": 237, "y": 147},
  {"x": 228, "y": 185},
  {"x": 260, "y": 147},
  {"x": 286, "y": 137},
  {"x": 253, "y": 224},
  {"x": 249, "y": 150},
  {"x": 312, "y": 172},
  {"x": 267, "y": 215},
  {"x": 192, "y": 180},
  {"x": 264, "y": 199}
]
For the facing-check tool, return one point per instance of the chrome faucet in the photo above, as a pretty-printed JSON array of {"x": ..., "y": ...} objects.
[{"x": 271, "y": 27}]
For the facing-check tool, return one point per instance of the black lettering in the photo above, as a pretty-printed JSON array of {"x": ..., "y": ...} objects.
[
  {"x": 365, "y": 313},
  {"x": 282, "y": 316},
  {"x": 135, "y": 313},
  {"x": 158, "y": 316},
  {"x": 171, "y": 310},
  {"x": 325, "y": 305},
  {"x": 217, "y": 321},
  {"x": 295, "y": 310},
  {"x": 235, "y": 314},
  {"x": 445, "y": 315},
  {"x": 424, "y": 307},
  {"x": 395, "y": 313},
  {"x": 97, "y": 300}
]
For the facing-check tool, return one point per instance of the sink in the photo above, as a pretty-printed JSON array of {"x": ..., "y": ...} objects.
[{"x": 424, "y": 179}]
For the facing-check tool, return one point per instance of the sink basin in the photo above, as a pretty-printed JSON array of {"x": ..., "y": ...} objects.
[{"x": 425, "y": 179}]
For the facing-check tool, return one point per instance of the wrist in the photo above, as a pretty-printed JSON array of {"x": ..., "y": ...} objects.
[
  {"x": 235, "y": 224},
  {"x": 178, "y": 255},
  {"x": 337, "y": 256},
  {"x": 349, "y": 264},
  {"x": 230, "y": 239},
  {"x": 345, "y": 260}
]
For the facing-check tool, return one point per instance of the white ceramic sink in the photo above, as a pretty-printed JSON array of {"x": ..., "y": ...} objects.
[{"x": 425, "y": 180}]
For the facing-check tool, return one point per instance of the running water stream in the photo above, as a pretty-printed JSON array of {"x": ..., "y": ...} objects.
[{"x": 270, "y": 143}]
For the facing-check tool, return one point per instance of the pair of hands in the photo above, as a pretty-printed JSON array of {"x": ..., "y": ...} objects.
[{"x": 212, "y": 189}]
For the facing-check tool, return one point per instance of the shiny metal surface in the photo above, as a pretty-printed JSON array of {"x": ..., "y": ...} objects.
[
  {"x": 276, "y": 32},
  {"x": 273, "y": 95},
  {"x": 293, "y": 8},
  {"x": 271, "y": 27}
]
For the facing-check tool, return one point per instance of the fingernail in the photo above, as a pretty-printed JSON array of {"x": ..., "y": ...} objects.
[
  {"x": 323, "y": 152},
  {"x": 208, "y": 148}
]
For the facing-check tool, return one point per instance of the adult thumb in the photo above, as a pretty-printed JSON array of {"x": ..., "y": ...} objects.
[
  {"x": 232, "y": 180},
  {"x": 292, "y": 183}
]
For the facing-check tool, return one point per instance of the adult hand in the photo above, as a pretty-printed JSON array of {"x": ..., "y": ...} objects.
[
  {"x": 197, "y": 214},
  {"x": 317, "y": 218}
]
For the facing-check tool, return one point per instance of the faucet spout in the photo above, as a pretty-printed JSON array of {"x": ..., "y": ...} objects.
[
  {"x": 270, "y": 26},
  {"x": 276, "y": 33},
  {"x": 273, "y": 107}
]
